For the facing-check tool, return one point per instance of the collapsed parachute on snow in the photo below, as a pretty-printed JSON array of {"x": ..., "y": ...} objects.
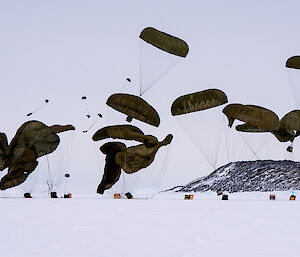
[
  {"x": 198, "y": 101},
  {"x": 134, "y": 107},
  {"x": 32, "y": 140}
]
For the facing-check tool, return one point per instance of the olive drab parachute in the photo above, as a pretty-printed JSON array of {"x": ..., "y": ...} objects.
[
  {"x": 32, "y": 140},
  {"x": 199, "y": 108},
  {"x": 126, "y": 132},
  {"x": 135, "y": 158},
  {"x": 160, "y": 52},
  {"x": 246, "y": 127},
  {"x": 256, "y": 116},
  {"x": 112, "y": 170},
  {"x": 134, "y": 107},
  {"x": 165, "y": 42},
  {"x": 198, "y": 101},
  {"x": 289, "y": 127},
  {"x": 293, "y": 62}
]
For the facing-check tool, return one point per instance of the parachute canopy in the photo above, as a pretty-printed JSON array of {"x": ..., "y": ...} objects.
[
  {"x": 165, "y": 42},
  {"x": 257, "y": 116},
  {"x": 112, "y": 170},
  {"x": 135, "y": 107},
  {"x": 134, "y": 158},
  {"x": 246, "y": 127},
  {"x": 198, "y": 101},
  {"x": 293, "y": 62},
  {"x": 32, "y": 140},
  {"x": 127, "y": 132}
]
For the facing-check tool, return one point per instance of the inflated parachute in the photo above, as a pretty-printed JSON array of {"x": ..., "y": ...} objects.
[
  {"x": 112, "y": 170},
  {"x": 134, "y": 107},
  {"x": 293, "y": 62},
  {"x": 198, "y": 108},
  {"x": 253, "y": 115},
  {"x": 126, "y": 132},
  {"x": 198, "y": 101},
  {"x": 159, "y": 53},
  {"x": 246, "y": 127},
  {"x": 134, "y": 158},
  {"x": 289, "y": 127},
  {"x": 32, "y": 140}
]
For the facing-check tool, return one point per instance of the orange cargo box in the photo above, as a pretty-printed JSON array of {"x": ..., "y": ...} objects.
[
  {"x": 117, "y": 196},
  {"x": 188, "y": 197}
]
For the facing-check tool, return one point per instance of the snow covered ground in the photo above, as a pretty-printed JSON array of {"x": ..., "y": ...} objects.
[{"x": 249, "y": 224}]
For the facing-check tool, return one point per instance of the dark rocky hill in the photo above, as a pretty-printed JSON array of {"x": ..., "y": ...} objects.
[{"x": 246, "y": 176}]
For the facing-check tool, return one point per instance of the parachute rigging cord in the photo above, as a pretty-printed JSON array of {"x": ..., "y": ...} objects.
[
  {"x": 159, "y": 76},
  {"x": 293, "y": 91},
  {"x": 84, "y": 99},
  {"x": 39, "y": 108},
  {"x": 92, "y": 125}
]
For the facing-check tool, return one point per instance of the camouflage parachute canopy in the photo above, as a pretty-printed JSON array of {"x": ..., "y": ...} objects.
[
  {"x": 165, "y": 42},
  {"x": 32, "y": 140},
  {"x": 256, "y": 116},
  {"x": 135, "y": 107},
  {"x": 293, "y": 62},
  {"x": 112, "y": 170},
  {"x": 134, "y": 158},
  {"x": 126, "y": 132},
  {"x": 289, "y": 127},
  {"x": 198, "y": 101}
]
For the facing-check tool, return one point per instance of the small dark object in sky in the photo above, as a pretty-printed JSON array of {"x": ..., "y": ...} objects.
[
  {"x": 46, "y": 101},
  {"x": 290, "y": 149},
  {"x": 88, "y": 116},
  {"x": 100, "y": 115},
  {"x": 29, "y": 114},
  {"x": 83, "y": 98},
  {"x": 128, "y": 79},
  {"x": 67, "y": 175}
]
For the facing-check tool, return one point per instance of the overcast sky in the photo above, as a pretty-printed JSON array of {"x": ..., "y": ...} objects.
[{"x": 62, "y": 50}]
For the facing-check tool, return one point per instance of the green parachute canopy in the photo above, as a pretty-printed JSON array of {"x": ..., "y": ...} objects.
[
  {"x": 293, "y": 62},
  {"x": 253, "y": 115},
  {"x": 198, "y": 101},
  {"x": 165, "y": 42},
  {"x": 112, "y": 170},
  {"x": 126, "y": 132},
  {"x": 134, "y": 107},
  {"x": 32, "y": 140},
  {"x": 134, "y": 158}
]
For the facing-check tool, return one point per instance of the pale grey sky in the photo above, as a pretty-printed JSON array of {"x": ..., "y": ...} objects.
[{"x": 62, "y": 50}]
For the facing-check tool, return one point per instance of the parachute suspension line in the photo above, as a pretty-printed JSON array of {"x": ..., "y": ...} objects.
[
  {"x": 293, "y": 91},
  {"x": 163, "y": 170},
  {"x": 218, "y": 147},
  {"x": 39, "y": 108},
  {"x": 48, "y": 176},
  {"x": 201, "y": 152},
  {"x": 140, "y": 68},
  {"x": 162, "y": 75},
  {"x": 251, "y": 149}
]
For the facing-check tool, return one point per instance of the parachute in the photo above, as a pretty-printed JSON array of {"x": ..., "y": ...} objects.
[
  {"x": 32, "y": 140},
  {"x": 135, "y": 107},
  {"x": 159, "y": 53},
  {"x": 198, "y": 101},
  {"x": 253, "y": 115},
  {"x": 293, "y": 62},
  {"x": 200, "y": 108},
  {"x": 134, "y": 158},
  {"x": 112, "y": 170},
  {"x": 126, "y": 132}
]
